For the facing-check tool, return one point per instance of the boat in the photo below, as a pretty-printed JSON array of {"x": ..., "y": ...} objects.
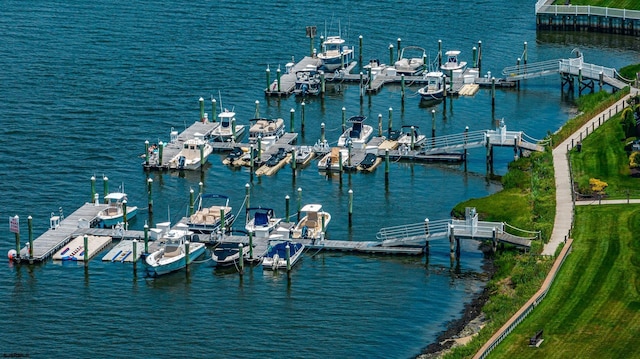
[
  {"x": 308, "y": 82},
  {"x": 276, "y": 256},
  {"x": 172, "y": 254},
  {"x": 433, "y": 91},
  {"x": 193, "y": 155},
  {"x": 453, "y": 65},
  {"x": 267, "y": 130},
  {"x": 206, "y": 218},
  {"x": 357, "y": 135},
  {"x": 404, "y": 136},
  {"x": 227, "y": 131},
  {"x": 228, "y": 253},
  {"x": 335, "y": 55},
  {"x": 304, "y": 155},
  {"x": 411, "y": 66},
  {"x": 261, "y": 221},
  {"x": 114, "y": 213},
  {"x": 313, "y": 223},
  {"x": 330, "y": 162}
]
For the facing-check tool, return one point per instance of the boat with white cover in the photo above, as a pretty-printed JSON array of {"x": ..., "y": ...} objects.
[{"x": 172, "y": 254}]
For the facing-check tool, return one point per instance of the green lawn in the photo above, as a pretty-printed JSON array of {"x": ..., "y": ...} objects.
[
  {"x": 593, "y": 308},
  {"x": 619, "y": 4},
  {"x": 604, "y": 157}
]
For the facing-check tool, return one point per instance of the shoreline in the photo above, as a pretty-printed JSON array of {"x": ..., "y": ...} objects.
[{"x": 463, "y": 329}]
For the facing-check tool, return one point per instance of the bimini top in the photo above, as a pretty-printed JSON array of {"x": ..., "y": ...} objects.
[{"x": 311, "y": 208}]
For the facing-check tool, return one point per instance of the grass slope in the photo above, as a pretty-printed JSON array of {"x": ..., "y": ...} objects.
[
  {"x": 592, "y": 310},
  {"x": 618, "y": 4}
]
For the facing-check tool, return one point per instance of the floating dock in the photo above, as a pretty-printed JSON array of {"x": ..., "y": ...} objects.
[
  {"x": 160, "y": 160},
  {"x": 123, "y": 252},
  {"x": 75, "y": 250}
]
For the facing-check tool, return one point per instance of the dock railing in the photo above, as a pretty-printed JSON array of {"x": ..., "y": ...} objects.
[{"x": 543, "y": 8}]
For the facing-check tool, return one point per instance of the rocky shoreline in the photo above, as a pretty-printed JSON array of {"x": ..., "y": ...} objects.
[{"x": 460, "y": 331}]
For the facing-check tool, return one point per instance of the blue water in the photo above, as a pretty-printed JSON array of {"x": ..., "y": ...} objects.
[{"x": 83, "y": 85}]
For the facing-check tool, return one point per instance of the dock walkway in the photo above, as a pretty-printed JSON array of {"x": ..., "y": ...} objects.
[{"x": 161, "y": 159}]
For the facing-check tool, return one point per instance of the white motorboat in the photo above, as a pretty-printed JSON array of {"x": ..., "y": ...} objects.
[
  {"x": 433, "y": 91},
  {"x": 408, "y": 135},
  {"x": 227, "y": 130},
  {"x": 357, "y": 135},
  {"x": 173, "y": 254},
  {"x": 281, "y": 251},
  {"x": 261, "y": 221},
  {"x": 206, "y": 217},
  {"x": 335, "y": 55},
  {"x": 268, "y": 130},
  {"x": 193, "y": 155},
  {"x": 453, "y": 66},
  {"x": 330, "y": 162},
  {"x": 308, "y": 82},
  {"x": 411, "y": 62},
  {"x": 312, "y": 224},
  {"x": 114, "y": 213}
]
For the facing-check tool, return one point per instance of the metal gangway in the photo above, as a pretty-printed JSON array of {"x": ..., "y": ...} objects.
[
  {"x": 418, "y": 234},
  {"x": 572, "y": 66},
  {"x": 473, "y": 139}
]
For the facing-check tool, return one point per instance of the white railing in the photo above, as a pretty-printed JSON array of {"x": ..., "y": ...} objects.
[{"x": 542, "y": 8}]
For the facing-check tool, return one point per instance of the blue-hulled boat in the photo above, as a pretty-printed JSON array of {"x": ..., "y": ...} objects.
[
  {"x": 261, "y": 221},
  {"x": 276, "y": 257},
  {"x": 335, "y": 54},
  {"x": 228, "y": 253}
]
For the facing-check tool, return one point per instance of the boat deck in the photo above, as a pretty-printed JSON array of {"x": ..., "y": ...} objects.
[
  {"x": 75, "y": 250},
  {"x": 173, "y": 147}
]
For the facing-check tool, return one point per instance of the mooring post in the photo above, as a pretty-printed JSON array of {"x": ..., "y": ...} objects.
[
  {"x": 30, "y": 230},
  {"x": 386, "y": 164},
  {"x": 379, "y": 125},
  {"x": 350, "y": 208},
  {"x": 494, "y": 236},
  {"x": 191, "y": 201},
  {"x": 146, "y": 238},
  {"x": 268, "y": 71},
  {"x": 150, "y": 194},
  {"x": 240, "y": 258},
  {"x": 390, "y": 125},
  {"x": 340, "y": 162},
  {"x": 201, "y": 102},
  {"x": 247, "y": 194},
  {"x": 474, "y": 51},
  {"x": 426, "y": 236},
  {"x": 146, "y": 154},
  {"x": 402, "y": 87},
  {"x": 493, "y": 92},
  {"x": 518, "y": 72},
  {"x": 344, "y": 119},
  {"x": 105, "y": 187},
  {"x": 413, "y": 137},
  {"x": 397, "y": 51},
  {"x": 278, "y": 79},
  {"x": 287, "y": 250},
  {"x": 302, "y": 105},
  {"x": 360, "y": 50},
  {"x": 466, "y": 137},
  {"x": 251, "y": 245},
  {"x": 451, "y": 242},
  {"x": 251, "y": 162},
  {"x": 439, "y": 53},
  {"x": 299, "y": 203},
  {"x": 293, "y": 163},
  {"x": 322, "y": 85},
  {"x": 433, "y": 126},
  {"x": 124, "y": 214},
  {"x": 134, "y": 244},
  {"x": 214, "y": 107},
  {"x": 187, "y": 255},
  {"x": 479, "y": 57},
  {"x": 222, "y": 221},
  {"x": 391, "y": 55},
  {"x": 85, "y": 251},
  {"x": 458, "y": 248},
  {"x": 361, "y": 86},
  {"x": 93, "y": 183},
  {"x": 286, "y": 206},
  {"x": 160, "y": 151},
  {"x": 322, "y": 132},
  {"x": 524, "y": 54},
  {"x": 292, "y": 114}
]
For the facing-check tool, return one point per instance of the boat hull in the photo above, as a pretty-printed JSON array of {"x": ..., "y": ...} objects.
[
  {"x": 276, "y": 257},
  {"x": 112, "y": 221},
  {"x": 158, "y": 268}
]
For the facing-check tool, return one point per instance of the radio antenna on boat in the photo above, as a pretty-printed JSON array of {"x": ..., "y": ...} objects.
[{"x": 220, "y": 97}]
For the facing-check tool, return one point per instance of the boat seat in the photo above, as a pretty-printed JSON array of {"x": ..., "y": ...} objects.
[
  {"x": 172, "y": 252},
  {"x": 311, "y": 224}
]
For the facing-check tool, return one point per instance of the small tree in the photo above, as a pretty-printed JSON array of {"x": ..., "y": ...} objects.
[{"x": 597, "y": 186}]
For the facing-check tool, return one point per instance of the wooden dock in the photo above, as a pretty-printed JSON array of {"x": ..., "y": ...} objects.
[
  {"x": 123, "y": 252},
  {"x": 160, "y": 160},
  {"x": 75, "y": 250}
]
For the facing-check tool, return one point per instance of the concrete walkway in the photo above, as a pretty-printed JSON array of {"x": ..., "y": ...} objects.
[{"x": 564, "y": 201}]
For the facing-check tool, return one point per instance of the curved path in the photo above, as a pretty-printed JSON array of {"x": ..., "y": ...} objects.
[{"x": 564, "y": 201}]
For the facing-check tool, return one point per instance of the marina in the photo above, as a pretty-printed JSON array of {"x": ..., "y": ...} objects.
[{"x": 109, "y": 77}]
